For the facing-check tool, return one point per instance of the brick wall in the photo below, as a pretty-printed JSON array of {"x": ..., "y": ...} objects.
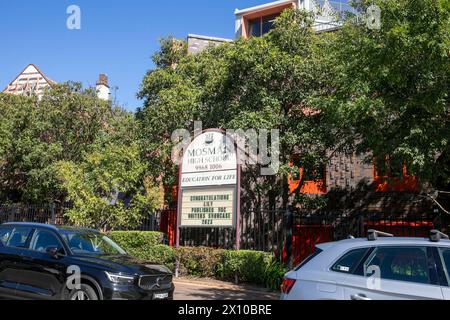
[{"x": 348, "y": 172}]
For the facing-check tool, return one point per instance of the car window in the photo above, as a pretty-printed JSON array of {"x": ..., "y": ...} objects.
[
  {"x": 5, "y": 232},
  {"x": 408, "y": 264},
  {"x": 304, "y": 262},
  {"x": 87, "y": 242},
  {"x": 445, "y": 255},
  {"x": 44, "y": 239},
  {"x": 19, "y": 237},
  {"x": 350, "y": 261}
]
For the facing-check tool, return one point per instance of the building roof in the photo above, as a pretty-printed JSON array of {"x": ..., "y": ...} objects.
[
  {"x": 30, "y": 80},
  {"x": 263, "y": 6},
  {"x": 208, "y": 38}
]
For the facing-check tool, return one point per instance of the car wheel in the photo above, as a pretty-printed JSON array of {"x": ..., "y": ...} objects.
[{"x": 85, "y": 292}]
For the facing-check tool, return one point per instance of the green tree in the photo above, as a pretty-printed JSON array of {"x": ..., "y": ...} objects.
[
  {"x": 72, "y": 146},
  {"x": 261, "y": 83},
  {"x": 108, "y": 187},
  {"x": 63, "y": 125},
  {"x": 392, "y": 86}
]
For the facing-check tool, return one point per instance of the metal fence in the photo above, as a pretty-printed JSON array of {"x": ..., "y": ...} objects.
[
  {"x": 289, "y": 235},
  {"x": 293, "y": 235},
  {"x": 262, "y": 231},
  {"x": 50, "y": 214},
  {"x": 54, "y": 214},
  {"x": 305, "y": 230}
]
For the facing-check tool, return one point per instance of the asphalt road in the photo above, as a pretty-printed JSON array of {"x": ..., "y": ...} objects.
[{"x": 193, "y": 289}]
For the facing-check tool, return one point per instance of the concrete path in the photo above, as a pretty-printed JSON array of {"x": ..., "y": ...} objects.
[{"x": 208, "y": 289}]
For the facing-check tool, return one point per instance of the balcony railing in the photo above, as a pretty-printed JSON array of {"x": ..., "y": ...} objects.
[{"x": 331, "y": 14}]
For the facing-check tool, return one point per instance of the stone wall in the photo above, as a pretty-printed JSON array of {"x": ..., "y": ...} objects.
[{"x": 198, "y": 43}]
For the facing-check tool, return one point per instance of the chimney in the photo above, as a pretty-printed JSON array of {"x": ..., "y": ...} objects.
[{"x": 102, "y": 88}]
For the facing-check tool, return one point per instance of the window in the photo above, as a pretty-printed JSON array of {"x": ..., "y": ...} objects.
[
  {"x": 390, "y": 168},
  {"x": 349, "y": 262},
  {"x": 19, "y": 237},
  {"x": 401, "y": 264},
  {"x": 5, "y": 232},
  {"x": 44, "y": 239},
  {"x": 315, "y": 254},
  {"x": 86, "y": 242},
  {"x": 261, "y": 25},
  {"x": 268, "y": 23},
  {"x": 445, "y": 256},
  {"x": 255, "y": 27}
]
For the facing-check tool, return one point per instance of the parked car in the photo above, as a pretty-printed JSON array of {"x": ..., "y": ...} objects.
[
  {"x": 380, "y": 267},
  {"x": 40, "y": 261}
]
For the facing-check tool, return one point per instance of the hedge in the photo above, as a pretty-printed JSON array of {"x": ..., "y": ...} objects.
[
  {"x": 200, "y": 261},
  {"x": 146, "y": 245},
  {"x": 137, "y": 239},
  {"x": 243, "y": 266}
]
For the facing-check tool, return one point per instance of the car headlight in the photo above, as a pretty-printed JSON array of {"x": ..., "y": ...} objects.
[{"x": 119, "y": 278}]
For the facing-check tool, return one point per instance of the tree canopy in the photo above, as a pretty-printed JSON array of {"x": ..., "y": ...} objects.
[
  {"x": 71, "y": 146},
  {"x": 382, "y": 93},
  {"x": 391, "y": 86},
  {"x": 260, "y": 83}
]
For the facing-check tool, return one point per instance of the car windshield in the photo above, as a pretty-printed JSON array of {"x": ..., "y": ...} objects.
[{"x": 90, "y": 242}]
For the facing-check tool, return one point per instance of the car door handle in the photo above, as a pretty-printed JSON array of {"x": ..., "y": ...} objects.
[{"x": 360, "y": 296}]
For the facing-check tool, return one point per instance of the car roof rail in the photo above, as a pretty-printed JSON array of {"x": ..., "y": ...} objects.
[
  {"x": 436, "y": 236},
  {"x": 350, "y": 237},
  {"x": 373, "y": 235}
]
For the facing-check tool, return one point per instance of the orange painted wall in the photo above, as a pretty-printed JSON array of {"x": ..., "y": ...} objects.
[
  {"x": 388, "y": 184},
  {"x": 317, "y": 186}
]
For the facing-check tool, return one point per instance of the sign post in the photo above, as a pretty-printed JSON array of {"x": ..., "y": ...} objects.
[{"x": 209, "y": 180}]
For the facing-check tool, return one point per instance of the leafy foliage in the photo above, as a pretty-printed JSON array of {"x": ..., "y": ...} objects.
[
  {"x": 107, "y": 188},
  {"x": 246, "y": 266},
  {"x": 391, "y": 85},
  {"x": 72, "y": 146},
  {"x": 261, "y": 83},
  {"x": 200, "y": 261},
  {"x": 136, "y": 240},
  {"x": 37, "y": 134}
]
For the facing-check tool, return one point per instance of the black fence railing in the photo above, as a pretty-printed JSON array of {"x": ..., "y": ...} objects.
[
  {"x": 293, "y": 235},
  {"x": 54, "y": 214},
  {"x": 289, "y": 235},
  {"x": 49, "y": 214}
]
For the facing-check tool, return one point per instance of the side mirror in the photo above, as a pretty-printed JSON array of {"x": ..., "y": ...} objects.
[{"x": 54, "y": 252}]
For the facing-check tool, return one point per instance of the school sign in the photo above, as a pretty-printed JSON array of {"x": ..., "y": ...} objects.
[{"x": 209, "y": 183}]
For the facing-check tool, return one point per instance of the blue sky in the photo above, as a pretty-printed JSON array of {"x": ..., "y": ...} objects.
[{"x": 117, "y": 37}]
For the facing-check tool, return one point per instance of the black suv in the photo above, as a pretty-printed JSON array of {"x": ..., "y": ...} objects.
[{"x": 40, "y": 261}]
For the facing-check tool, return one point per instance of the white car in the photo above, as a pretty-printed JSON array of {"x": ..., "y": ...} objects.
[{"x": 380, "y": 267}]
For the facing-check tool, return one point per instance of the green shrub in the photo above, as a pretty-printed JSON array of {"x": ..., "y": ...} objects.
[
  {"x": 274, "y": 274},
  {"x": 254, "y": 267},
  {"x": 161, "y": 254},
  {"x": 244, "y": 266},
  {"x": 136, "y": 239},
  {"x": 146, "y": 246},
  {"x": 200, "y": 261}
]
